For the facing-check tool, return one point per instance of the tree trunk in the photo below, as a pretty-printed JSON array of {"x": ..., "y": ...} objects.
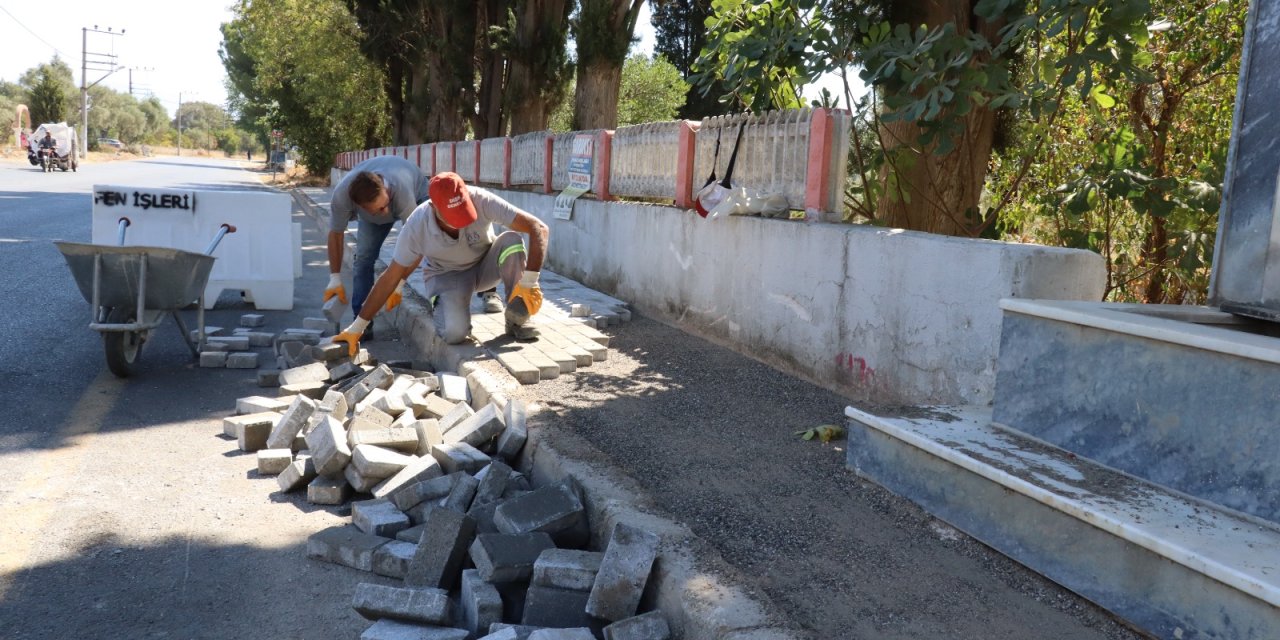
[
  {"x": 595, "y": 102},
  {"x": 604, "y": 36},
  {"x": 449, "y": 95},
  {"x": 938, "y": 193},
  {"x": 538, "y": 59}
]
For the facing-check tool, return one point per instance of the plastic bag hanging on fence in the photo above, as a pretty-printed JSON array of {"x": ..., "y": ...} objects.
[{"x": 713, "y": 193}]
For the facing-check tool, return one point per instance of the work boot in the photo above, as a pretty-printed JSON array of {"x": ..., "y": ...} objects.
[
  {"x": 518, "y": 322},
  {"x": 492, "y": 302}
]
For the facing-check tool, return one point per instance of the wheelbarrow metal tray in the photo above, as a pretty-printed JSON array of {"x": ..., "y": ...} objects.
[{"x": 175, "y": 278}]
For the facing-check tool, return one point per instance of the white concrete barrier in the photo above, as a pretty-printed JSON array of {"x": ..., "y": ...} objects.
[{"x": 261, "y": 258}]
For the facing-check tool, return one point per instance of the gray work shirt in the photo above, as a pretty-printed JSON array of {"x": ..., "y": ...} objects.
[
  {"x": 404, "y": 182},
  {"x": 422, "y": 237}
]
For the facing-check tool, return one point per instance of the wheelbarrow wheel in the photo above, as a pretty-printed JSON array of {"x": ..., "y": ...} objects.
[{"x": 122, "y": 347}]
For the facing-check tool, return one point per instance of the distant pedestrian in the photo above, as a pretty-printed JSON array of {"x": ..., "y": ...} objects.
[{"x": 248, "y": 155}]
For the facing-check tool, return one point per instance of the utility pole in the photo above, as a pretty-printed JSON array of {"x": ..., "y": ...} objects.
[
  {"x": 178, "y": 117},
  {"x": 138, "y": 88},
  {"x": 92, "y": 61}
]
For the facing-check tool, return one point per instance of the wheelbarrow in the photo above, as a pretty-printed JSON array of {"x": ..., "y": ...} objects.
[{"x": 132, "y": 288}]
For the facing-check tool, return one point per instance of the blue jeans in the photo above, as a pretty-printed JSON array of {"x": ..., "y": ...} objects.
[{"x": 369, "y": 239}]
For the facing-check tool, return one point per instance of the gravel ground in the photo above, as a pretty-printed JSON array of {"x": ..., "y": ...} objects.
[{"x": 709, "y": 435}]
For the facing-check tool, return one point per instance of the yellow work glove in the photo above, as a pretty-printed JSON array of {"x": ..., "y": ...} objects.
[
  {"x": 335, "y": 288},
  {"x": 351, "y": 335},
  {"x": 396, "y": 296},
  {"x": 529, "y": 291}
]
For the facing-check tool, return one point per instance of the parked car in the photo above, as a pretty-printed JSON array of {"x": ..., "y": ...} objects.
[{"x": 110, "y": 142}]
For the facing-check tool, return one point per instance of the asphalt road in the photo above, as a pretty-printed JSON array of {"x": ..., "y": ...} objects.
[{"x": 123, "y": 511}]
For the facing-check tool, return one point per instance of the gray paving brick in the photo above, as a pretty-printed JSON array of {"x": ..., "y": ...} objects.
[
  {"x": 298, "y": 473},
  {"x": 404, "y": 440},
  {"x": 566, "y": 362},
  {"x": 259, "y": 404},
  {"x": 313, "y": 390},
  {"x": 424, "y": 468},
  {"x": 378, "y": 517},
  {"x": 649, "y": 626},
  {"x": 456, "y": 415},
  {"x": 577, "y": 633},
  {"x": 478, "y": 429},
  {"x": 251, "y": 435},
  {"x": 314, "y": 372},
  {"x": 441, "y": 550},
  {"x": 370, "y": 400},
  {"x": 328, "y": 491},
  {"x": 232, "y": 425},
  {"x": 392, "y": 559},
  {"x": 344, "y": 370},
  {"x": 344, "y": 545},
  {"x": 291, "y": 423},
  {"x": 558, "y": 608},
  {"x": 272, "y": 462},
  {"x": 520, "y": 368},
  {"x": 428, "y": 435},
  {"x": 454, "y": 388},
  {"x": 333, "y": 403},
  {"x": 213, "y": 359},
  {"x": 372, "y": 461},
  {"x": 493, "y": 482},
  {"x": 551, "y": 509},
  {"x": 246, "y": 360},
  {"x": 624, "y": 571},
  {"x": 328, "y": 445},
  {"x": 252, "y": 320},
  {"x": 329, "y": 352},
  {"x": 268, "y": 377},
  {"x": 501, "y": 557},
  {"x": 502, "y": 631},
  {"x": 481, "y": 604},
  {"x": 483, "y": 515},
  {"x": 388, "y": 629},
  {"x": 358, "y": 481},
  {"x": 567, "y": 569},
  {"x": 228, "y": 343},
  {"x": 377, "y": 601},
  {"x": 260, "y": 338},
  {"x": 517, "y": 432},
  {"x": 463, "y": 491},
  {"x": 547, "y": 368},
  {"x": 459, "y": 456},
  {"x": 411, "y": 535},
  {"x": 411, "y": 495}
]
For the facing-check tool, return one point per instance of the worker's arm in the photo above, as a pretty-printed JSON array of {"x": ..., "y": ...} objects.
[
  {"x": 388, "y": 282},
  {"x": 538, "y": 235},
  {"x": 337, "y": 243}
]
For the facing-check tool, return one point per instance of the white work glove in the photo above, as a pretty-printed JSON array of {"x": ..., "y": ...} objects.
[
  {"x": 351, "y": 335},
  {"x": 335, "y": 288}
]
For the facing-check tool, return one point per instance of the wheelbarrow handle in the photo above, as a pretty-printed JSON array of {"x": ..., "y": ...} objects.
[
  {"x": 121, "y": 225},
  {"x": 222, "y": 231}
]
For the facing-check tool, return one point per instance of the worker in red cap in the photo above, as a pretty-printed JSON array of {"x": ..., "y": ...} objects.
[{"x": 452, "y": 237}]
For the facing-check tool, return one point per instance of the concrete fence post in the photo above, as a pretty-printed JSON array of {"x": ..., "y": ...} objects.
[
  {"x": 479, "y": 151},
  {"x": 549, "y": 164},
  {"x": 604, "y": 152},
  {"x": 506, "y": 163},
  {"x": 684, "y": 164},
  {"x": 818, "y": 170},
  {"x": 453, "y": 156}
]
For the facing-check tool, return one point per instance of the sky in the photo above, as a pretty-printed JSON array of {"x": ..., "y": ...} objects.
[{"x": 171, "y": 47}]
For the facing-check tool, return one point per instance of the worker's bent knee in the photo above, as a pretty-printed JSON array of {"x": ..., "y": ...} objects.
[{"x": 454, "y": 334}]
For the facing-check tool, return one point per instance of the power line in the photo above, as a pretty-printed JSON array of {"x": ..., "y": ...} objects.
[{"x": 34, "y": 34}]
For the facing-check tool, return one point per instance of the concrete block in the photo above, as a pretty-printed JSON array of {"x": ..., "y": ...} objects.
[
  {"x": 493, "y": 483},
  {"x": 513, "y": 601},
  {"x": 521, "y": 369},
  {"x": 258, "y": 404},
  {"x": 295, "y": 417},
  {"x": 344, "y": 545},
  {"x": 454, "y": 388},
  {"x": 208, "y": 332},
  {"x": 441, "y": 550},
  {"x": 459, "y": 456},
  {"x": 456, "y": 415},
  {"x": 308, "y": 336},
  {"x": 567, "y": 569},
  {"x": 463, "y": 491},
  {"x": 357, "y": 392},
  {"x": 323, "y": 325},
  {"x": 344, "y": 370},
  {"x": 368, "y": 417},
  {"x": 376, "y": 601},
  {"x": 387, "y": 629},
  {"x": 231, "y": 426},
  {"x": 359, "y": 482},
  {"x": 328, "y": 491},
  {"x": 380, "y": 378},
  {"x": 410, "y": 496},
  {"x": 579, "y": 311},
  {"x": 328, "y": 445},
  {"x": 253, "y": 320},
  {"x": 411, "y": 535},
  {"x": 378, "y": 517},
  {"x": 229, "y": 343},
  {"x": 577, "y": 633},
  {"x": 551, "y": 509},
  {"x": 213, "y": 359},
  {"x": 512, "y": 439},
  {"x": 501, "y": 557},
  {"x": 558, "y": 608},
  {"x": 273, "y": 462},
  {"x": 260, "y": 338},
  {"x": 329, "y": 352},
  {"x": 314, "y": 372},
  {"x": 518, "y": 485},
  {"x": 372, "y": 461},
  {"x": 371, "y": 399},
  {"x": 624, "y": 571},
  {"x": 251, "y": 435},
  {"x": 404, "y": 420},
  {"x": 483, "y": 515},
  {"x": 299, "y": 472},
  {"x": 246, "y": 360},
  {"x": 511, "y": 631},
  {"x": 394, "y": 438},
  {"x": 390, "y": 402},
  {"x": 293, "y": 353},
  {"x": 649, "y": 626},
  {"x": 268, "y": 377},
  {"x": 333, "y": 309},
  {"x": 435, "y": 406},
  {"x": 392, "y": 559},
  {"x": 429, "y": 434},
  {"x": 481, "y": 604},
  {"x": 424, "y": 468},
  {"x": 333, "y": 403},
  {"x": 313, "y": 390},
  {"x": 478, "y": 429}
]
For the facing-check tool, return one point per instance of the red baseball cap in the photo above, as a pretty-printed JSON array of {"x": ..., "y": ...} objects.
[{"x": 453, "y": 203}]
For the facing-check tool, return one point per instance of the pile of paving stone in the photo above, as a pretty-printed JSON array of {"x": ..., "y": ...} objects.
[
  {"x": 481, "y": 553},
  {"x": 235, "y": 350}
]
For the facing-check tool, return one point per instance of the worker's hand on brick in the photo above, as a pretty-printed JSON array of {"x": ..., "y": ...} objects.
[
  {"x": 528, "y": 290},
  {"x": 351, "y": 335},
  {"x": 335, "y": 288},
  {"x": 396, "y": 296}
]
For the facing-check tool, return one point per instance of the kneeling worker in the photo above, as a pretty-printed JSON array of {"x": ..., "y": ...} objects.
[
  {"x": 454, "y": 234},
  {"x": 377, "y": 193}
]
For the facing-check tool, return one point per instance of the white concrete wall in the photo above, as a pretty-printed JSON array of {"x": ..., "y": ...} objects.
[{"x": 880, "y": 314}]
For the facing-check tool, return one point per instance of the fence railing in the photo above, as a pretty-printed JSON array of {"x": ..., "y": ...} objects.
[{"x": 799, "y": 153}]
